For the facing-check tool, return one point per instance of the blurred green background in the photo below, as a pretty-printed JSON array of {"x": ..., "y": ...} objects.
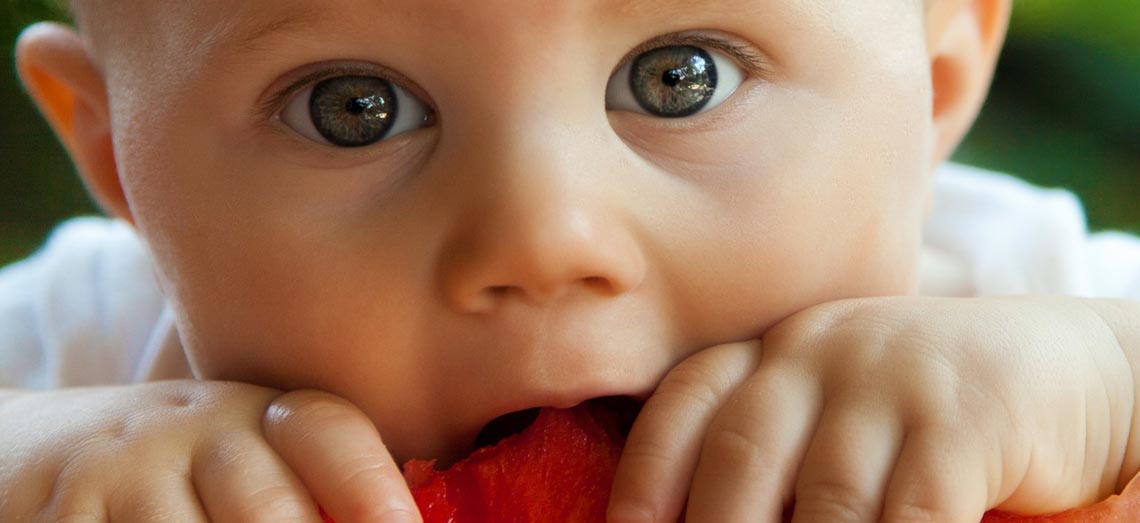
[{"x": 1065, "y": 111}]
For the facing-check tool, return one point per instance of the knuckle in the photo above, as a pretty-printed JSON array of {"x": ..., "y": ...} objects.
[
  {"x": 294, "y": 413},
  {"x": 70, "y": 490},
  {"x": 691, "y": 383},
  {"x": 28, "y": 487},
  {"x": 362, "y": 470},
  {"x": 910, "y": 512},
  {"x": 927, "y": 509},
  {"x": 167, "y": 496},
  {"x": 729, "y": 448},
  {"x": 227, "y": 452},
  {"x": 364, "y": 511},
  {"x": 856, "y": 328},
  {"x": 829, "y": 500},
  {"x": 181, "y": 395},
  {"x": 115, "y": 436},
  {"x": 273, "y": 504},
  {"x": 810, "y": 323},
  {"x": 67, "y": 505},
  {"x": 76, "y": 517},
  {"x": 649, "y": 452},
  {"x": 150, "y": 510},
  {"x": 710, "y": 375}
]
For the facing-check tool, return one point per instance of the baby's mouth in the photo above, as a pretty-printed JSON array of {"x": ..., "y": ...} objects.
[
  {"x": 615, "y": 413},
  {"x": 505, "y": 426}
]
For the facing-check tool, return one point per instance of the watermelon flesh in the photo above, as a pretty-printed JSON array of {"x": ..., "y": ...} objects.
[{"x": 560, "y": 470}]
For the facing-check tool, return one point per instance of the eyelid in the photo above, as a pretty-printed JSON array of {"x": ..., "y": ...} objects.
[
  {"x": 751, "y": 60},
  {"x": 324, "y": 71}
]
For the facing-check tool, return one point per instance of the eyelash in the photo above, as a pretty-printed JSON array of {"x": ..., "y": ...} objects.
[
  {"x": 276, "y": 103},
  {"x": 754, "y": 65}
]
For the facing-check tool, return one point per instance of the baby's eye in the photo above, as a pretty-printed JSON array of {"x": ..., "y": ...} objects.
[
  {"x": 355, "y": 111},
  {"x": 674, "y": 81}
]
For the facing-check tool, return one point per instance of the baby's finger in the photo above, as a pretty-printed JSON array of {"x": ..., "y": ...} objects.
[
  {"x": 937, "y": 478},
  {"x": 753, "y": 449},
  {"x": 848, "y": 464},
  {"x": 168, "y": 497},
  {"x": 661, "y": 452},
  {"x": 246, "y": 481},
  {"x": 338, "y": 454}
]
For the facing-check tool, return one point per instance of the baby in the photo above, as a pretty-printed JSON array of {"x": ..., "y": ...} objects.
[{"x": 379, "y": 225}]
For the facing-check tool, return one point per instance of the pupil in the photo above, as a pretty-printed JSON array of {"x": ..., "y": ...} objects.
[
  {"x": 357, "y": 106},
  {"x": 672, "y": 77}
]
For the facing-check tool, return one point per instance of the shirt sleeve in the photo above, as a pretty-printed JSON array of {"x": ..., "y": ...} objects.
[
  {"x": 1114, "y": 265},
  {"x": 80, "y": 311},
  {"x": 1013, "y": 238}
]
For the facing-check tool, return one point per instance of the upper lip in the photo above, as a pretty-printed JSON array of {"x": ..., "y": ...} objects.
[{"x": 523, "y": 358}]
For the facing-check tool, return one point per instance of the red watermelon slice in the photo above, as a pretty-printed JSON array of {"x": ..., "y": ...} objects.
[
  {"x": 1119, "y": 508},
  {"x": 559, "y": 470}
]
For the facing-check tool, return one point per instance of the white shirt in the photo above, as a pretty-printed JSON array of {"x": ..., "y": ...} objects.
[
  {"x": 87, "y": 308},
  {"x": 1011, "y": 238}
]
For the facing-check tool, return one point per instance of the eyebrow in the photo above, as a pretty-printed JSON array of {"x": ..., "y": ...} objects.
[
  {"x": 665, "y": 9},
  {"x": 291, "y": 20}
]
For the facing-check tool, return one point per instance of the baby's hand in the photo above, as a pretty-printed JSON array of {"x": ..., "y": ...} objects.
[
  {"x": 194, "y": 451},
  {"x": 889, "y": 409}
]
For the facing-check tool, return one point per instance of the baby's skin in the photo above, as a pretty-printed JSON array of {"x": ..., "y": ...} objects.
[{"x": 382, "y": 224}]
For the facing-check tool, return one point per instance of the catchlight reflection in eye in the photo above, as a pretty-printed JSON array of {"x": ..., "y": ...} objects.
[{"x": 674, "y": 81}]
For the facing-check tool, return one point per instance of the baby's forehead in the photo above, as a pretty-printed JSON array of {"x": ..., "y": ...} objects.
[
  {"x": 254, "y": 18},
  {"x": 250, "y": 23}
]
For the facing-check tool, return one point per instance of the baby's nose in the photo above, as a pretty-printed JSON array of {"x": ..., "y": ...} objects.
[
  {"x": 535, "y": 231},
  {"x": 538, "y": 255}
]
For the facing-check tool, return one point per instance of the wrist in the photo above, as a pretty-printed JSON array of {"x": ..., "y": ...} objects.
[{"x": 1122, "y": 317}]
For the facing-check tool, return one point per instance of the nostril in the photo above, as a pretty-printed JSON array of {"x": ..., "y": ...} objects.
[
  {"x": 542, "y": 291},
  {"x": 599, "y": 283}
]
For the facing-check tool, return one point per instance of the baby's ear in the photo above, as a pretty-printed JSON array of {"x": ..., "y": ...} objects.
[
  {"x": 964, "y": 38},
  {"x": 63, "y": 79}
]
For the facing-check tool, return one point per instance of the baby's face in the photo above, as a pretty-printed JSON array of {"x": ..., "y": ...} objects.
[{"x": 446, "y": 212}]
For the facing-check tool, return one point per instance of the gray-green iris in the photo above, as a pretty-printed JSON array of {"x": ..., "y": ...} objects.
[
  {"x": 673, "y": 81},
  {"x": 353, "y": 111}
]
